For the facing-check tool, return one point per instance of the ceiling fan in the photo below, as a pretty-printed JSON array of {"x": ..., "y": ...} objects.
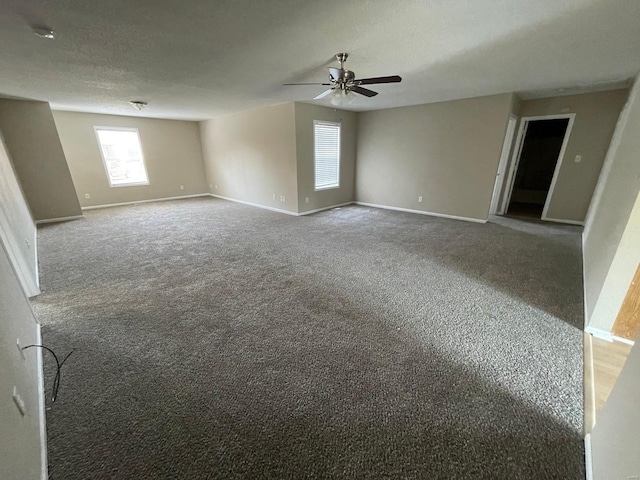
[{"x": 341, "y": 80}]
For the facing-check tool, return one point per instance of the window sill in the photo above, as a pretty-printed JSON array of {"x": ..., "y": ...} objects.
[{"x": 138, "y": 184}]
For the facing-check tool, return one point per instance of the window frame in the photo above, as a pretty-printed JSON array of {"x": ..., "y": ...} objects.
[
  {"x": 339, "y": 125},
  {"x": 96, "y": 128}
]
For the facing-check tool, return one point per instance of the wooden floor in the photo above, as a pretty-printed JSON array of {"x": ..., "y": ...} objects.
[{"x": 601, "y": 374}]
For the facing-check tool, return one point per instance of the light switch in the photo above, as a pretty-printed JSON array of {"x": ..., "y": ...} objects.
[{"x": 578, "y": 158}]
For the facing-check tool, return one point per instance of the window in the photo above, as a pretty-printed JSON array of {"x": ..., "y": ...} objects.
[
  {"x": 326, "y": 137},
  {"x": 122, "y": 155}
]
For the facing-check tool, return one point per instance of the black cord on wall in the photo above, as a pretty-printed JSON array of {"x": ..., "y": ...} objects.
[{"x": 56, "y": 380}]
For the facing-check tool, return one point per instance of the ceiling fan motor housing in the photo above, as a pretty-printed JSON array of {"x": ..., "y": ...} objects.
[{"x": 342, "y": 76}]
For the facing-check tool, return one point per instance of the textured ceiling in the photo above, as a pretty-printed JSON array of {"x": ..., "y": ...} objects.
[{"x": 198, "y": 59}]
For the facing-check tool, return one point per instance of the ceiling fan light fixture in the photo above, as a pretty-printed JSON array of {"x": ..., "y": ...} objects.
[
  {"x": 336, "y": 97},
  {"x": 137, "y": 104}
]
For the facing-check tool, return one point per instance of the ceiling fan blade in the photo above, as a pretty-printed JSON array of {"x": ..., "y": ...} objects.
[
  {"x": 363, "y": 91},
  {"x": 323, "y": 94},
  {"x": 306, "y": 84},
  {"x": 370, "y": 81}
]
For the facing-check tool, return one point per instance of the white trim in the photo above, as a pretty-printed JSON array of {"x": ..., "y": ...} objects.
[
  {"x": 502, "y": 164},
  {"x": 251, "y": 204},
  {"x": 104, "y": 161},
  {"x": 556, "y": 172},
  {"x": 309, "y": 212},
  {"x": 588, "y": 457},
  {"x": 59, "y": 219},
  {"x": 165, "y": 199},
  {"x": 422, "y": 212},
  {"x": 607, "y": 336},
  {"x": 44, "y": 469},
  {"x": 559, "y": 220},
  {"x": 623, "y": 340},
  {"x": 598, "y": 333},
  {"x": 330, "y": 123}
]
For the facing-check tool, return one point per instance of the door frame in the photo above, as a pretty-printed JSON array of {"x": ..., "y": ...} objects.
[
  {"x": 524, "y": 124},
  {"x": 495, "y": 207}
]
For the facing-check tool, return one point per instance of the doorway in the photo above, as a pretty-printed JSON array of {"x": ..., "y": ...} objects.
[{"x": 538, "y": 156}]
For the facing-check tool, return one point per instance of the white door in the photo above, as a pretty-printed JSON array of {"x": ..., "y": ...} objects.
[{"x": 502, "y": 166}]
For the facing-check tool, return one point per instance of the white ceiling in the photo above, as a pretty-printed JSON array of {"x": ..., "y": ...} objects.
[{"x": 198, "y": 59}]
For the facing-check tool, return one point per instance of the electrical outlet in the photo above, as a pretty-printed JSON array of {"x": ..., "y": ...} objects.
[
  {"x": 284, "y": 199},
  {"x": 578, "y": 159},
  {"x": 215, "y": 186},
  {"x": 181, "y": 187},
  {"x": 306, "y": 200},
  {"x": 420, "y": 199},
  {"x": 274, "y": 196},
  {"x": 17, "y": 399},
  {"x": 87, "y": 196}
]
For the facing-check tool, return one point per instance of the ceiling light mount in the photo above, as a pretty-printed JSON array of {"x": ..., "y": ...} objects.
[
  {"x": 43, "y": 32},
  {"x": 137, "y": 104},
  {"x": 342, "y": 57}
]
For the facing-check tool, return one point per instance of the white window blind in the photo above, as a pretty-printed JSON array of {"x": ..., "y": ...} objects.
[
  {"x": 122, "y": 155},
  {"x": 327, "y": 154}
]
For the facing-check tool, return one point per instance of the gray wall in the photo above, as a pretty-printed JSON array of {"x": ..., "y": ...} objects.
[
  {"x": 447, "y": 152},
  {"x": 17, "y": 229},
  {"x": 614, "y": 440},
  {"x": 613, "y": 201},
  {"x": 620, "y": 275},
  {"x": 596, "y": 118},
  {"x": 251, "y": 156},
  {"x": 20, "y": 441},
  {"x": 34, "y": 146},
  {"x": 171, "y": 149},
  {"x": 305, "y": 115}
]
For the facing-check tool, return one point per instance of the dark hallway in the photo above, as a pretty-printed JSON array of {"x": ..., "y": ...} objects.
[{"x": 540, "y": 151}]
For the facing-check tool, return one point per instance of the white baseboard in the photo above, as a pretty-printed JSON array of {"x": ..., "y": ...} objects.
[
  {"x": 588, "y": 457},
  {"x": 59, "y": 219},
  {"x": 558, "y": 220},
  {"x": 165, "y": 199},
  {"x": 251, "y": 204},
  {"x": 422, "y": 212},
  {"x": 598, "y": 333},
  {"x": 608, "y": 336},
  {"x": 309, "y": 212},
  {"x": 44, "y": 461}
]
